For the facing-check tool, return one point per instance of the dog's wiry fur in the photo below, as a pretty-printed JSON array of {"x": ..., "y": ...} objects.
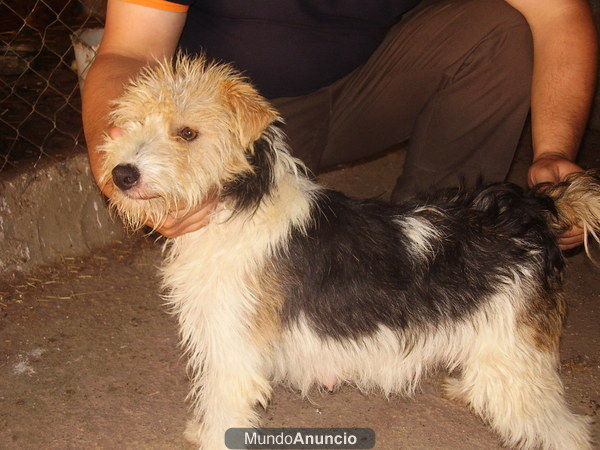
[{"x": 294, "y": 283}]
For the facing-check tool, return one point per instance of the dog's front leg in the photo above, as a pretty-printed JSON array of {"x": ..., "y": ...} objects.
[{"x": 226, "y": 391}]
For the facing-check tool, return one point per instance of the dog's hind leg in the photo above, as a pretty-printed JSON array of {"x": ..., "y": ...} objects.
[{"x": 510, "y": 378}]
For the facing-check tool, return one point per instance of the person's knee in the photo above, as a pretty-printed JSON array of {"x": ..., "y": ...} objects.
[
  {"x": 456, "y": 32},
  {"x": 503, "y": 24},
  {"x": 503, "y": 40},
  {"x": 489, "y": 15}
]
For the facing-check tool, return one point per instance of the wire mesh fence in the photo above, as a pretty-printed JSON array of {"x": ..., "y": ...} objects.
[{"x": 40, "y": 107}]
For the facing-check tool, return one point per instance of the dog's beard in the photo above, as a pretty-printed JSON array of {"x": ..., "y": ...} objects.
[
  {"x": 137, "y": 213},
  {"x": 152, "y": 206}
]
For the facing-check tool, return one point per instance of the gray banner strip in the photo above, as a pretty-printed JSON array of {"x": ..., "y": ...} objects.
[{"x": 305, "y": 438}]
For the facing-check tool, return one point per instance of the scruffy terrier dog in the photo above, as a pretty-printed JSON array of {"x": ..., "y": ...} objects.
[{"x": 291, "y": 282}]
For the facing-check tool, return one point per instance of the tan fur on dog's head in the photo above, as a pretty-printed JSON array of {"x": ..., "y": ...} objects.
[{"x": 189, "y": 126}]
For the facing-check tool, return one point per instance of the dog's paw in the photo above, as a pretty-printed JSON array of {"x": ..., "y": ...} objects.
[
  {"x": 192, "y": 432},
  {"x": 453, "y": 389},
  {"x": 203, "y": 437}
]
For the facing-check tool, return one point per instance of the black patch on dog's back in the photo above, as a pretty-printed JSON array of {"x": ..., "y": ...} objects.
[{"x": 354, "y": 268}]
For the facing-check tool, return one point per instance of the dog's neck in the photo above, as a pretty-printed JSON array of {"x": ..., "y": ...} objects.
[
  {"x": 274, "y": 171},
  {"x": 261, "y": 207}
]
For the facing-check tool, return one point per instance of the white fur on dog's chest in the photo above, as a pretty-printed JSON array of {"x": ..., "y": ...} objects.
[
  {"x": 205, "y": 272},
  {"x": 212, "y": 263}
]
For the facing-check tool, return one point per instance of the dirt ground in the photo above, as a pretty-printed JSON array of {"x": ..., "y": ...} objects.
[{"x": 89, "y": 358}]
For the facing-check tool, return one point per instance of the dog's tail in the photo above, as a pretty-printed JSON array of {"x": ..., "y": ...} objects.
[{"x": 577, "y": 202}]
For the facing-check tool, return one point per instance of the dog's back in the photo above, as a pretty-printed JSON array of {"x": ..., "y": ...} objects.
[
  {"x": 376, "y": 295},
  {"x": 361, "y": 264}
]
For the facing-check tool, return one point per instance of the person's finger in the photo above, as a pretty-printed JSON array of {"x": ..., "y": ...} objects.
[
  {"x": 543, "y": 175},
  {"x": 194, "y": 226},
  {"x": 175, "y": 218},
  {"x": 192, "y": 216},
  {"x": 570, "y": 239},
  {"x": 571, "y": 234},
  {"x": 116, "y": 132},
  {"x": 573, "y": 231},
  {"x": 166, "y": 223},
  {"x": 183, "y": 214},
  {"x": 564, "y": 247},
  {"x": 186, "y": 222},
  {"x": 175, "y": 225},
  {"x": 570, "y": 242}
]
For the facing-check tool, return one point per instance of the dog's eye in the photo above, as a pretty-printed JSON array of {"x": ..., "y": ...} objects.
[{"x": 187, "y": 134}]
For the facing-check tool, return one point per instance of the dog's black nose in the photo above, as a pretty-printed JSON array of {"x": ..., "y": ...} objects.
[{"x": 125, "y": 176}]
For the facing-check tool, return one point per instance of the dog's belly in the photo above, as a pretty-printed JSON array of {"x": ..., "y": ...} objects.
[{"x": 387, "y": 360}]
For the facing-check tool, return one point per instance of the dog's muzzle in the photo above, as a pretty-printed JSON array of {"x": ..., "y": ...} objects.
[{"x": 125, "y": 176}]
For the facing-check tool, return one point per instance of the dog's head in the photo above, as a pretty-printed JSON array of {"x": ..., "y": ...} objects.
[{"x": 189, "y": 128}]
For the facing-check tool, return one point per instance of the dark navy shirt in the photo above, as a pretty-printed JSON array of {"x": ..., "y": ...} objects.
[{"x": 290, "y": 47}]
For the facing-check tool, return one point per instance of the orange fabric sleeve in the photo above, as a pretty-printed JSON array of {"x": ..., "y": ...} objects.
[{"x": 160, "y": 4}]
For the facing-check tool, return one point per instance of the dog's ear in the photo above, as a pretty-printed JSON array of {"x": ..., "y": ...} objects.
[{"x": 251, "y": 112}]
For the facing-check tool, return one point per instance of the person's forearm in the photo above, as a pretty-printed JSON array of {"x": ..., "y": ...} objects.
[
  {"x": 564, "y": 81},
  {"x": 104, "y": 82}
]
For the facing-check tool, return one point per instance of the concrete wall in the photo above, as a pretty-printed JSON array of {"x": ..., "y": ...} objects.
[{"x": 52, "y": 211}]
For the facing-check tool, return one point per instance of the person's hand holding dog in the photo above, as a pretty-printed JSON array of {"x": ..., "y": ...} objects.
[
  {"x": 181, "y": 222},
  {"x": 553, "y": 168}
]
